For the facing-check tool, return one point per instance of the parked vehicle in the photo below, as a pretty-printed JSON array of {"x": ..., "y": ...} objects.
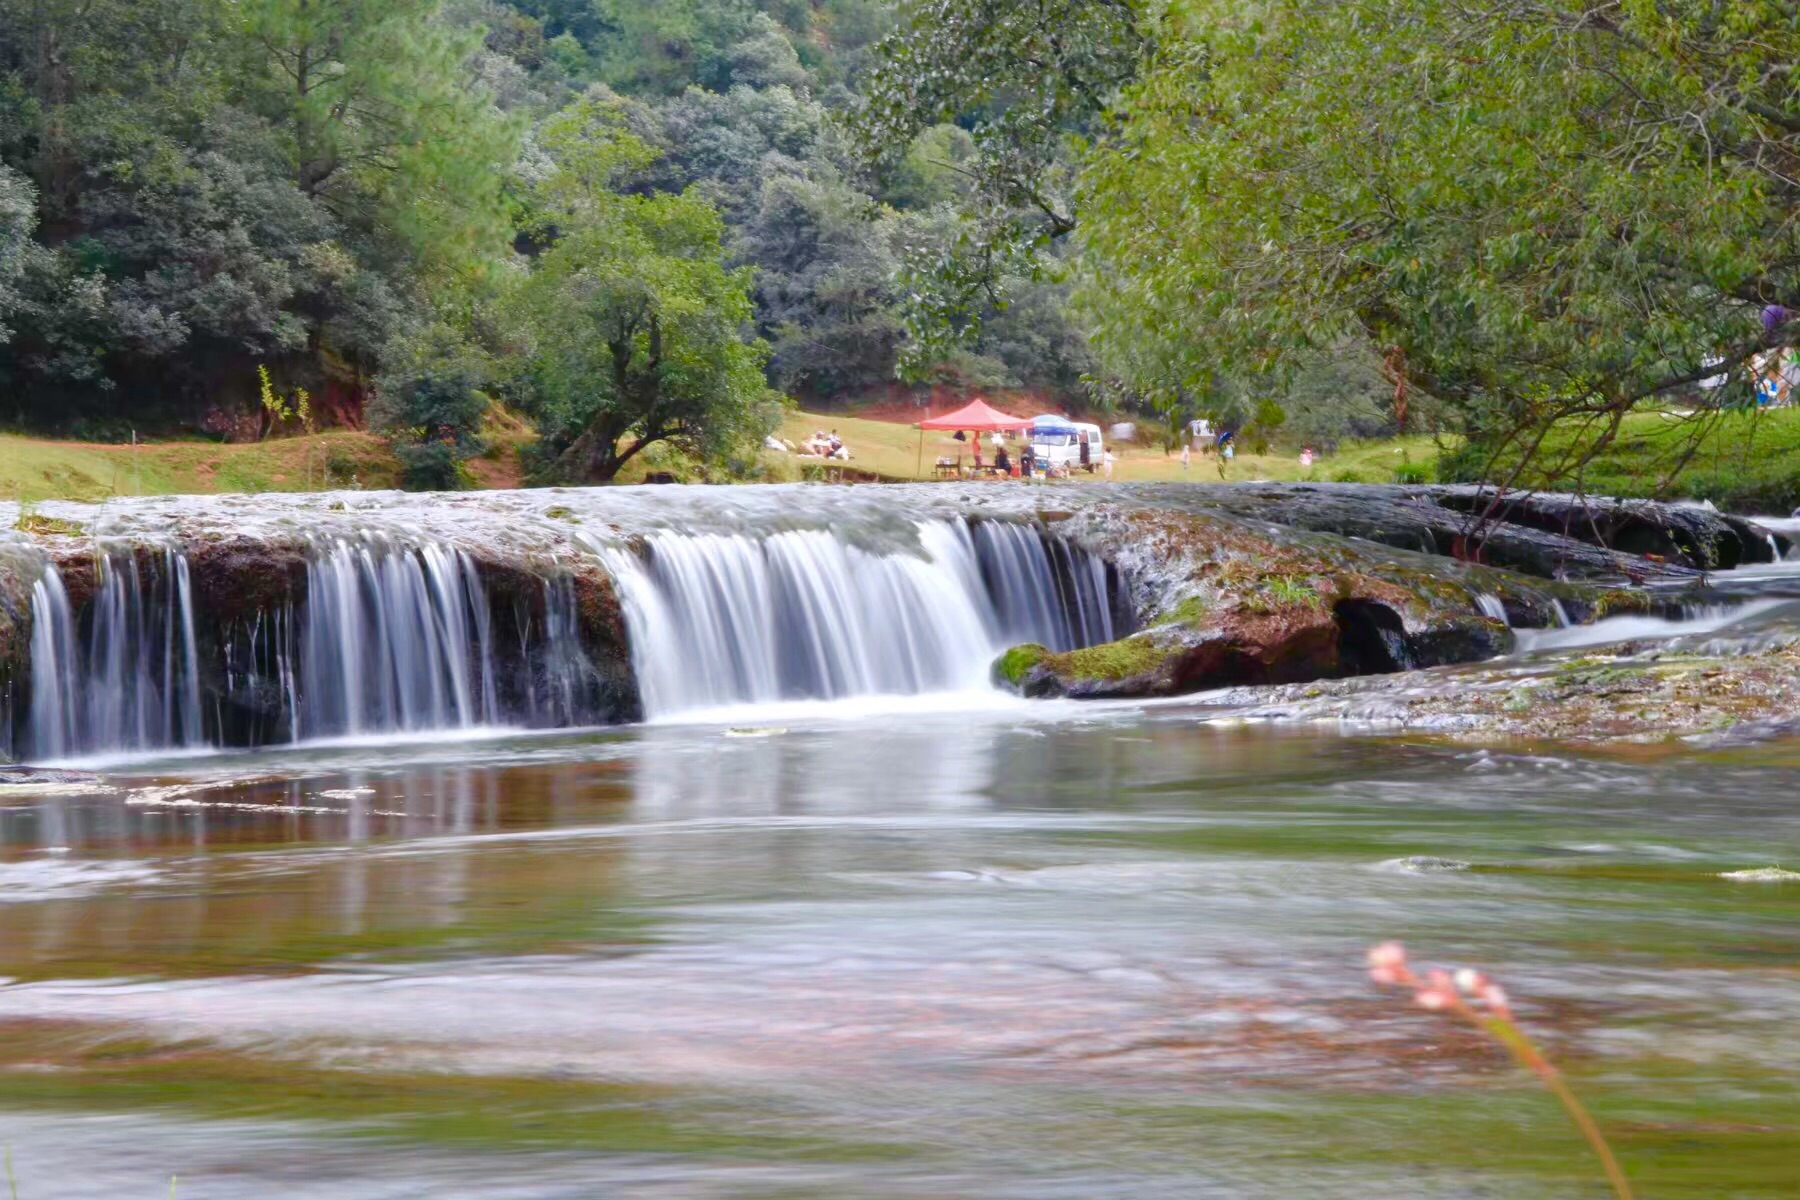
[{"x": 1057, "y": 442}]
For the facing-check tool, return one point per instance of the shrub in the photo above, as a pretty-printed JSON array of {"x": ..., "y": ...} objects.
[{"x": 431, "y": 404}]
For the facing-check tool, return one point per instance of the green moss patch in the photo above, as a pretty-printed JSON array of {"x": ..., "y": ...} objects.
[
  {"x": 1113, "y": 661},
  {"x": 1016, "y": 663},
  {"x": 30, "y": 522}
]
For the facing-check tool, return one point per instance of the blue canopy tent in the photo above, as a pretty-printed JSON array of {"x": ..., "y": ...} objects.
[{"x": 1051, "y": 423}]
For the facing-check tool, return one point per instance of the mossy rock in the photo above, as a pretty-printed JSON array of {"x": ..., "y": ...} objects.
[
  {"x": 38, "y": 523},
  {"x": 1012, "y": 667},
  {"x": 1111, "y": 662}
]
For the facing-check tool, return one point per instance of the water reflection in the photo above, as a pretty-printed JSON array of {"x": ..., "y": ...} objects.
[{"x": 975, "y": 940}]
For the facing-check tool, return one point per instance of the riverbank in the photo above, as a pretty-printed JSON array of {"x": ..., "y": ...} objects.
[{"x": 1743, "y": 462}]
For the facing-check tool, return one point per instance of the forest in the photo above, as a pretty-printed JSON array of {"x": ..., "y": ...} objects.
[{"x": 634, "y": 223}]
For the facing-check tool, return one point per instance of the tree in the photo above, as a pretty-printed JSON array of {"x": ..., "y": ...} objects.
[
  {"x": 1537, "y": 209},
  {"x": 1032, "y": 80},
  {"x": 18, "y": 216},
  {"x": 383, "y": 124},
  {"x": 824, "y": 286},
  {"x": 634, "y": 329}
]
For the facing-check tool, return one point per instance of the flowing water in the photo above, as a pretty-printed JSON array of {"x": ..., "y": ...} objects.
[
  {"x": 997, "y": 951},
  {"x": 873, "y": 931}
]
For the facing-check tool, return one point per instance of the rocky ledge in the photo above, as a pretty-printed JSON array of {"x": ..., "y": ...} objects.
[
  {"x": 1272, "y": 584},
  {"x": 1632, "y": 696}
]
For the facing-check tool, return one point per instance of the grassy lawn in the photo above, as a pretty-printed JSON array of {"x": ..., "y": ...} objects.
[
  {"x": 892, "y": 451},
  {"x": 1746, "y": 461},
  {"x": 32, "y": 469}
]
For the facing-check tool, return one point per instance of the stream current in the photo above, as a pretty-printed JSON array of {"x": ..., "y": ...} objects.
[{"x": 943, "y": 945}]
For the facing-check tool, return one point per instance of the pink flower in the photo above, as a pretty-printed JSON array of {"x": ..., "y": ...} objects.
[
  {"x": 1387, "y": 964},
  {"x": 1438, "y": 992}
]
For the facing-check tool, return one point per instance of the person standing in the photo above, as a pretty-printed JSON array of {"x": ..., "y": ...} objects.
[
  {"x": 1106, "y": 461},
  {"x": 1087, "y": 453},
  {"x": 1184, "y": 457}
]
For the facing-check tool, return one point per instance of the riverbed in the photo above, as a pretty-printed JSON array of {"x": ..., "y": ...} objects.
[{"x": 977, "y": 947}]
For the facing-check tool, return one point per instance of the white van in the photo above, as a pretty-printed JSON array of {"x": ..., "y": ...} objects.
[{"x": 1059, "y": 444}]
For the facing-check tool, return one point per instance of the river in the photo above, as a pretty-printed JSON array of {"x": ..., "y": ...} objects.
[
  {"x": 676, "y": 843},
  {"x": 972, "y": 947}
]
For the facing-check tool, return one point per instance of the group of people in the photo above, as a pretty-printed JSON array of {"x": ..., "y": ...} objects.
[
  {"x": 1002, "y": 463},
  {"x": 826, "y": 445}
]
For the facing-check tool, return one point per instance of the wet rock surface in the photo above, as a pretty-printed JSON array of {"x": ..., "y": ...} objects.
[
  {"x": 1549, "y": 535},
  {"x": 1631, "y": 695},
  {"x": 1287, "y": 595}
]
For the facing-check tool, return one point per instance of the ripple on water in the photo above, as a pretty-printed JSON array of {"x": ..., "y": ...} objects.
[
  {"x": 59, "y": 878},
  {"x": 1421, "y": 864},
  {"x": 1762, "y": 875}
]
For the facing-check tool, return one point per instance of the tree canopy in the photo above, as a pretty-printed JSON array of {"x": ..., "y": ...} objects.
[
  {"x": 637, "y": 222},
  {"x": 1542, "y": 210},
  {"x": 633, "y": 327}
]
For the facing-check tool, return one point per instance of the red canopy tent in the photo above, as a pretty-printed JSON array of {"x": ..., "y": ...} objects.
[
  {"x": 974, "y": 416},
  {"x": 977, "y": 414}
]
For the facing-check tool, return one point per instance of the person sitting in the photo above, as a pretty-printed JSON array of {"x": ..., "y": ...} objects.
[{"x": 1002, "y": 463}]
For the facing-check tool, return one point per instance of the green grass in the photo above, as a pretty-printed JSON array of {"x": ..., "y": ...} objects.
[
  {"x": 1743, "y": 461},
  {"x": 891, "y": 450},
  {"x": 33, "y": 469}
]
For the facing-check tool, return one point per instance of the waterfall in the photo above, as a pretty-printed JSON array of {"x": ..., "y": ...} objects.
[
  {"x": 394, "y": 632},
  {"x": 730, "y": 619},
  {"x": 389, "y": 638},
  {"x": 133, "y": 683},
  {"x": 1043, "y": 590},
  {"x": 392, "y": 640},
  {"x": 1490, "y": 606},
  {"x": 55, "y": 670}
]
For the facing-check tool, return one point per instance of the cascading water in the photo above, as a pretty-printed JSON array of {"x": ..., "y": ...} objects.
[
  {"x": 388, "y": 638},
  {"x": 1042, "y": 589},
  {"x": 133, "y": 683},
  {"x": 327, "y": 626},
  {"x": 719, "y": 620},
  {"x": 393, "y": 640}
]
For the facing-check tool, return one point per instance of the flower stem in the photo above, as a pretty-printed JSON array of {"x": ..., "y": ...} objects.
[{"x": 1528, "y": 1055}]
